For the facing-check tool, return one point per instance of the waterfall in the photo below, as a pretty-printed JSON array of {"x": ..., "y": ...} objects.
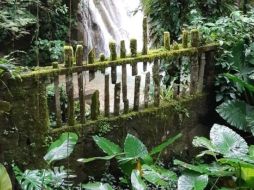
[{"x": 107, "y": 20}]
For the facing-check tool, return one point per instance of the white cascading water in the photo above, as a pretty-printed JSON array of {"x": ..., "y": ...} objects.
[
  {"x": 107, "y": 20},
  {"x": 102, "y": 22}
]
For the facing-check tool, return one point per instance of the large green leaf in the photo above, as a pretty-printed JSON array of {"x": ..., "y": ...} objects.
[
  {"x": 164, "y": 145},
  {"x": 136, "y": 181},
  {"x": 134, "y": 148},
  {"x": 62, "y": 147},
  {"x": 30, "y": 179},
  {"x": 241, "y": 82},
  {"x": 157, "y": 175},
  {"x": 107, "y": 146},
  {"x": 212, "y": 169},
  {"x": 228, "y": 142},
  {"x": 5, "y": 182},
  {"x": 192, "y": 182},
  {"x": 97, "y": 186},
  {"x": 234, "y": 112}
]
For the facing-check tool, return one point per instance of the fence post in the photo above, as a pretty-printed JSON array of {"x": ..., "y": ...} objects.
[
  {"x": 185, "y": 39},
  {"x": 79, "y": 62},
  {"x": 136, "y": 93},
  {"x": 194, "y": 67},
  {"x": 68, "y": 60},
  {"x": 147, "y": 89},
  {"x": 166, "y": 39},
  {"x": 113, "y": 56},
  {"x": 91, "y": 60},
  {"x": 106, "y": 98},
  {"x": 145, "y": 38},
  {"x": 95, "y": 105},
  {"x": 122, "y": 49},
  {"x": 57, "y": 98},
  {"x": 124, "y": 90},
  {"x": 117, "y": 99},
  {"x": 156, "y": 79}
]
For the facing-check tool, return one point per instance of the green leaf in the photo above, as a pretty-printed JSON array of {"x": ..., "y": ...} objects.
[
  {"x": 211, "y": 169},
  {"x": 134, "y": 148},
  {"x": 136, "y": 181},
  {"x": 241, "y": 82},
  {"x": 192, "y": 182},
  {"x": 203, "y": 142},
  {"x": 251, "y": 151},
  {"x": 97, "y": 186},
  {"x": 157, "y": 175},
  {"x": 165, "y": 144},
  {"x": 247, "y": 174},
  {"x": 228, "y": 142},
  {"x": 62, "y": 147},
  {"x": 234, "y": 112},
  {"x": 86, "y": 160},
  {"x": 5, "y": 182},
  {"x": 107, "y": 146}
]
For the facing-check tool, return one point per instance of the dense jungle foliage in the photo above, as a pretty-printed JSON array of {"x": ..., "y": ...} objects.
[{"x": 226, "y": 159}]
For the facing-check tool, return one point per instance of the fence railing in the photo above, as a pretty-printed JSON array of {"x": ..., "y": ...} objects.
[{"x": 125, "y": 82}]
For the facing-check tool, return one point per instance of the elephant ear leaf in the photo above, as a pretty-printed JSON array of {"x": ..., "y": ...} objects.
[
  {"x": 5, "y": 182},
  {"x": 136, "y": 181},
  {"x": 134, "y": 148},
  {"x": 107, "y": 146},
  {"x": 192, "y": 182},
  {"x": 227, "y": 142},
  {"x": 234, "y": 112},
  {"x": 62, "y": 147}
]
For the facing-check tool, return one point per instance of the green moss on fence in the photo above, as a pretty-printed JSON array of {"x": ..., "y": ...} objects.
[
  {"x": 152, "y": 54},
  {"x": 179, "y": 106}
]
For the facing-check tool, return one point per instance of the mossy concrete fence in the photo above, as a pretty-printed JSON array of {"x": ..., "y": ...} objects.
[{"x": 25, "y": 129}]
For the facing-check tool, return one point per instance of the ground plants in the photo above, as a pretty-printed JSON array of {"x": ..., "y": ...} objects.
[
  {"x": 136, "y": 162},
  {"x": 231, "y": 166},
  {"x": 52, "y": 177}
]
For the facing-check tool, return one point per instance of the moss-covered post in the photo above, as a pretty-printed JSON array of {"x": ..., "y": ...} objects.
[
  {"x": 113, "y": 56},
  {"x": 106, "y": 98},
  {"x": 156, "y": 80},
  {"x": 91, "y": 60},
  {"x": 102, "y": 57},
  {"x": 166, "y": 40},
  {"x": 91, "y": 56},
  {"x": 195, "y": 38},
  {"x": 79, "y": 62},
  {"x": 136, "y": 93},
  {"x": 113, "y": 75},
  {"x": 201, "y": 74},
  {"x": 117, "y": 99},
  {"x": 134, "y": 69},
  {"x": 112, "y": 48},
  {"x": 122, "y": 49},
  {"x": 133, "y": 47},
  {"x": 124, "y": 90},
  {"x": 145, "y": 42},
  {"x": 185, "y": 38},
  {"x": 68, "y": 60},
  {"x": 145, "y": 37},
  {"x": 95, "y": 105},
  {"x": 194, "y": 59},
  {"x": 57, "y": 98},
  {"x": 147, "y": 89}
]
